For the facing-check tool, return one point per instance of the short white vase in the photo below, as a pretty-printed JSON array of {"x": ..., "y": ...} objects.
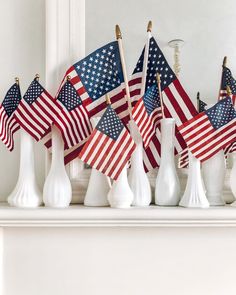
[
  {"x": 57, "y": 191},
  {"x": 120, "y": 194},
  {"x": 194, "y": 195},
  {"x": 232, "y": 179},
  {"x": 26, "y": 193},
  {"x": 167, "y": 192},
  {"x": 138, "y": 180},
  {"x": 214, "y": 170},
  {"x": 99, "y": 184}
]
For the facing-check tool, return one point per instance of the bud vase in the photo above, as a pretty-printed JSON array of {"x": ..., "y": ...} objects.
[
  {"x": 137, "y": 178},
  {"x": 214, "y": 170},
  {"x": 120, "y": 194},
  {"x": 26, "y": 193},
  {"x": 57, "y": 192},
  {"x": 233, "y": 177},
  {"x": 167, "y": 192},
  {"x": 194, "y": 195},
  {"x": 99, "y": 184}
]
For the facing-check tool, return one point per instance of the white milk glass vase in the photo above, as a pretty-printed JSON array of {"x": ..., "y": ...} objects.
[
  {"x": 120, "y": 194},
  {"x": 26, "y": 193},
  {"x": 214, "y": 170},
  {"x": 57, "y": 191},
  {"x": 167, "y": 192},
  {"x": 99, "y": 184},
  {"x": 233, "y": 177},
  {"x": 194, "y": 195},
  {"x": 138, "y": 180}
]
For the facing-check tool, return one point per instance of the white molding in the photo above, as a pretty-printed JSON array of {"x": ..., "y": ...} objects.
[{"x": 153, "y": 216}]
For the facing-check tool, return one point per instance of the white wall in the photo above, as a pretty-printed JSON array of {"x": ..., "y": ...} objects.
[
  {"x": 208, "y": 28},
  {"x": 22, "y": 54}
]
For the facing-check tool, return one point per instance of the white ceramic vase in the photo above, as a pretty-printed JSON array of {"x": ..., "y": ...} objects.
[
  {"x": 194, "y": 195},
  {"x": 57, "y": 191},
  {"x": 214, "y": 170},
  {"x": 120, "y": 194},
  {"x": 26, "y": 193},
  {"x": 233, "y": 177},
  {"x": 99, "y": 184},
  {"x": 167, "y": 192},
  {"x": 138, "y": 180}
]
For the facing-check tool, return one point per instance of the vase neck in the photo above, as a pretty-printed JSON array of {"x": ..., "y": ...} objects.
[{"x": 167, "y": 138}]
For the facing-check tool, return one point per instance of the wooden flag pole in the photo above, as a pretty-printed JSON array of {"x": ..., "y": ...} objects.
[
  {"x": 223, "y": 65},
  {"x": 198, "y": 101},
  {"x": 108, "y": 101},
  {"x": 160, "y": 94},
  {"x": 120, "y": 44},
  {"x": 145, "y": 61},
  {"x": 229, "y": 92}
]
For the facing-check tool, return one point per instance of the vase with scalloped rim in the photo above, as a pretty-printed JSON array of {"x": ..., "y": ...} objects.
[
  {"x": 99, "y": 184},
  {"x": 194, "y": 195},
  {"x": 138, "y": 180},
  {"x": 167, "y": 192},
  {"x": 233, "y": 177},
  {"x": 57, "y": 191},
  {"x": 26, "y": 193}
]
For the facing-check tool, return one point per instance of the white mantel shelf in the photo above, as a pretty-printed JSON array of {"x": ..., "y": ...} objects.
[{"x": 153, "y": 216}]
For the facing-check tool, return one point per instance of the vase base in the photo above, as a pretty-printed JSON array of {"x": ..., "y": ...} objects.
[
  {"x": 233, "y": 204},
  {"x": 120, "y": 206},
  {"x": 96, "y": 205}
]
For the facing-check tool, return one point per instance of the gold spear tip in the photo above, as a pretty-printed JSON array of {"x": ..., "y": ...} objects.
[
  {"x": 37, "y": 77},
  {"x": 108, "y": 99},
  {"x": 17, "y": 80},
  {"x": 118, "y": 32},
  {"x": 224, "y": 61},
  {"x": 158, "y": 78},
  {"x": 229, "y": 92},
  {"x": 68, "y": 77},
  {"x": 149, "y": 26}
]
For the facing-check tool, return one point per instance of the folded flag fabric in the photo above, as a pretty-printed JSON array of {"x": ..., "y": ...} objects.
[
  {"x": 110, "y": 145},
  {"x": 73, "y": 119},
  {"x": 147, "y": 114},
  {"x": 230, "y": 148},
  {"x": 37, "y": 110},
  {"x": 211, "y": 130},
  {"x": 8, "y": 122},
  {"x": 227, "y": 80}
]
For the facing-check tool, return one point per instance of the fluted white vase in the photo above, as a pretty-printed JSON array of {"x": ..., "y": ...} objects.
[
  {"x": 167, "y": 192},
  {"x": 194, "y": 195},
  {"x": 99, "y": 184},
  {"x": 26, "y": 193},
  {"x": 214, "y": 170},
  {"x": 57, "y": 191},
  {"x": 120, "y": 194},
  {"x": 233, "y": 177},
  {"x": 138, "y": 180}
]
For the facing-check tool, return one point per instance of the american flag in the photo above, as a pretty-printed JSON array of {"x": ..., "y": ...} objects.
[
  {"x": 8, "y": 123},
  {"x": 37, "y": 110},
  {"x": 98, "y": 74},
  {"x": 177, "y": 103},
  {"x": 211, "y": 130},
  {"x": 147, "y": 114},
  {"x": 110, "y": 145},
  {"x": 202, "y": 106},
  {"x": 73, "y": 120},
  {"x": 227, "y": 80}
]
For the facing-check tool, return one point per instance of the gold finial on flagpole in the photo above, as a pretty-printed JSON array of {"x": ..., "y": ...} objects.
[
  {"x": 68, "y": 77},
  {"x": 37, "y": 77},
  {"x": 17, "y": 81},
  {"x": 118, "y": 32},
  {"x": 224, "y": 61},
  {"x": 149, "y": 26},
  {"x": 108, "y": 101},
  {"x": 229, "y": 92},
  {"x": 158, "y": 77}
]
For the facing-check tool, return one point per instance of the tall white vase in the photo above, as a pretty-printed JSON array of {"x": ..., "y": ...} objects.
[
  {"x": 194, "y": 195},
  {"x": 26, "y": 193},
  {"x": 57, "y": 192},
  {"x": 138, "y": 180},
  {"x": 214, "y": 170},
  {"x": 233, "y": 177},
  {"x": 167, "y": 192},
  {"x": 99, "y": 184},
  {"x": 120, "y": 194}
]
